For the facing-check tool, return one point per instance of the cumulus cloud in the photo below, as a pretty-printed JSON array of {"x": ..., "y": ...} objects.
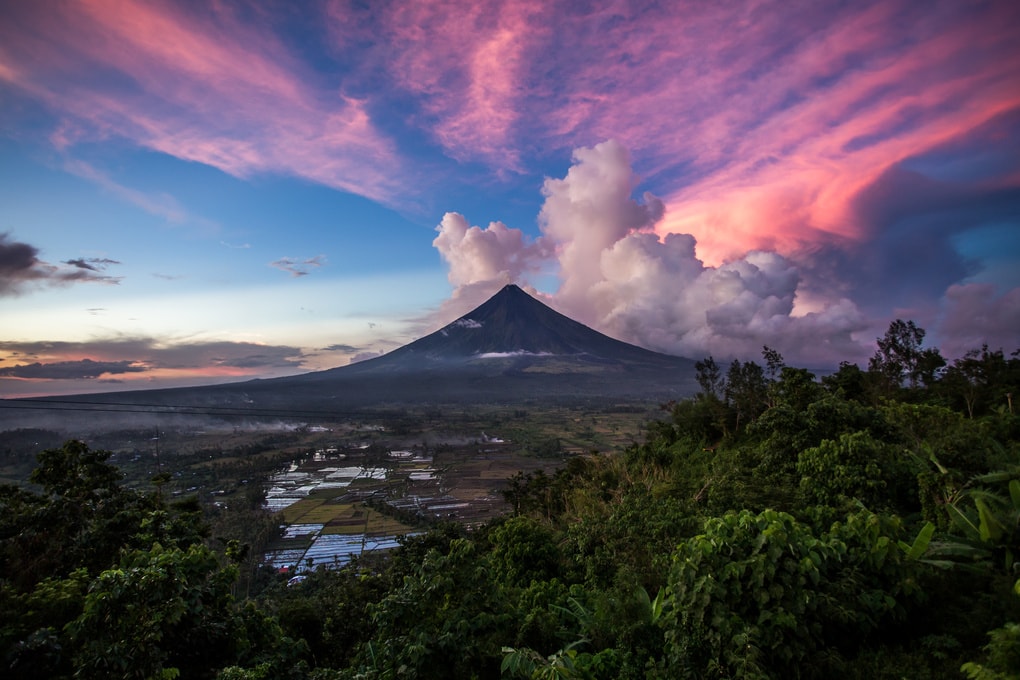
[
  {"x": 21, "y": 267},
  {"x": 483, "y": 260},
  {"x": 296, "y": 267},
  {"x": 976, "y": 314},
  {"x": 589, "y": 211},
  {"x": 477, "y": 255},
  {"x": 622, "y": 278}
]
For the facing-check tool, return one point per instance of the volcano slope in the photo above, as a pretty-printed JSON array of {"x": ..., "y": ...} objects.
[{"x": 511, "y": 349}]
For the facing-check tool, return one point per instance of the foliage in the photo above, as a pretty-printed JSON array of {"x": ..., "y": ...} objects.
[
  {"x": 160, "y": 609},
  {"x": 772, "y": 526},
  {"x": 523, "y": 551},
  {"x": 107, "y": 582},
  {"x": 761, "y": 594},
  {"x": 854, "y": 468}
]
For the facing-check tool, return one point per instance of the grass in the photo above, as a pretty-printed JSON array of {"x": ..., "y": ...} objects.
[
  {"x": 326, "y": 513},
  {"x": 292, "y": 513},
  {"x": 358, "y": 519}
]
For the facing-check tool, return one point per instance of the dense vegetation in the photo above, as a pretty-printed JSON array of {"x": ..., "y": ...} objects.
[{"x": 773, "y": 526}]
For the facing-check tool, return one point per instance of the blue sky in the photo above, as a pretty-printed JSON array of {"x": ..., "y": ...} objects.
[{"x": 197, "y": 194}]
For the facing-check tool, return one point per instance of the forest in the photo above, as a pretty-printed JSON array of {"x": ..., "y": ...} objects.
[{"x": 777, "y": 524}]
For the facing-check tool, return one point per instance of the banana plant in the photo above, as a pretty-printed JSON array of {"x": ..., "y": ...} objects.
[
  {"x": 527, "y": 663},
  {"x": 986, "y": 523}
]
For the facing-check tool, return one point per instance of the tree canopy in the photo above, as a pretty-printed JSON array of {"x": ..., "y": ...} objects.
[{"x": 775, "y": 525}]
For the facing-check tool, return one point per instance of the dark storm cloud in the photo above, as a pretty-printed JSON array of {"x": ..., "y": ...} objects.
[
  {"x": 84, "y": 369},
  {"x": 916, "y": 223},
  {"x": 341, "y": 348},
  {"x": 977, "y": 314},
  {"x": 20, "y": 266},
  {"x": 223, "y": 353},
  {"x": 92, "y": 264},
  {"x": 914, "y": 217},
  {"x": 52, "y": 360}
]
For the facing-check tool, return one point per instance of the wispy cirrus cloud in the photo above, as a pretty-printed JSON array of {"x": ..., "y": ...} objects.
[
  {"x": 758, "y": 122},
  {"x": 299, "y": 267},
  {"x": 466, "y": 65},
  {"x": 199, "y": 83},
  {"x": 21, "y": 268},
  {"x": 161, "y": 205}
]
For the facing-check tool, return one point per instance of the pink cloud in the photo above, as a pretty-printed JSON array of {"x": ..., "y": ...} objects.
[
  {"x": 480, "y": 262},
  {"x": 761, "y": 121},
  {"x": 205, "y": 87},
  {"x": 467, "y": 63},
  {"x": 591, "y": 209},
  {"x": 782, "y": 124},
  {"x": 622, "y": 279},
  {"x": 496, "y": 253}
]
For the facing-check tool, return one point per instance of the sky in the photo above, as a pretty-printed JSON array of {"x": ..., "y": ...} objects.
[{"x": 193, "y": 193}]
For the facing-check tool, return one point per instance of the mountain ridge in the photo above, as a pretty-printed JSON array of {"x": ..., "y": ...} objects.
[{"x": 511, "y": 349}]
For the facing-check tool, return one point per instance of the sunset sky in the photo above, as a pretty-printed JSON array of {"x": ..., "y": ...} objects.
[{"x": 196, "y": 192}]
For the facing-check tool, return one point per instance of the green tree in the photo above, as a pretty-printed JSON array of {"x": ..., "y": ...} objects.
[
  {"x": 982, "y": 379},
  {"x": 523, "y": 550},
  {"x": 447, "y": 618},
  {"x": 103, "y": 581},
  {"x": 160, "y": 612},
  {"x": 746, "y": 391},
  {"x": 849, "y": 381},
  {"x": 762, "y": 595},
  {"x": 857, "y": 468},
  {"x": 709, "y": 377},
  {"x": 900, "y": 357}
]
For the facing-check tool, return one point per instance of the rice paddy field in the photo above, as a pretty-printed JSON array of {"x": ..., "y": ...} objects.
[{"x": 335, "y": 505}]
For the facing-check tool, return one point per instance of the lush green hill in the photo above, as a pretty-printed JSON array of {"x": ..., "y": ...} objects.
[{"x": 771, "y": 526}]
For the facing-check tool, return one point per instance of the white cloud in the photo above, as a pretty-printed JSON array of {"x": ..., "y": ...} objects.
[
  {"x": 624, "y": 280},
  {"x": 496, "y": 253}
]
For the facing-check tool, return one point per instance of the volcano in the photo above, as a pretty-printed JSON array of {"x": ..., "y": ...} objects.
[
  {"x": 512, "y": 325},
  {"x": 511, "y": 348}
]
